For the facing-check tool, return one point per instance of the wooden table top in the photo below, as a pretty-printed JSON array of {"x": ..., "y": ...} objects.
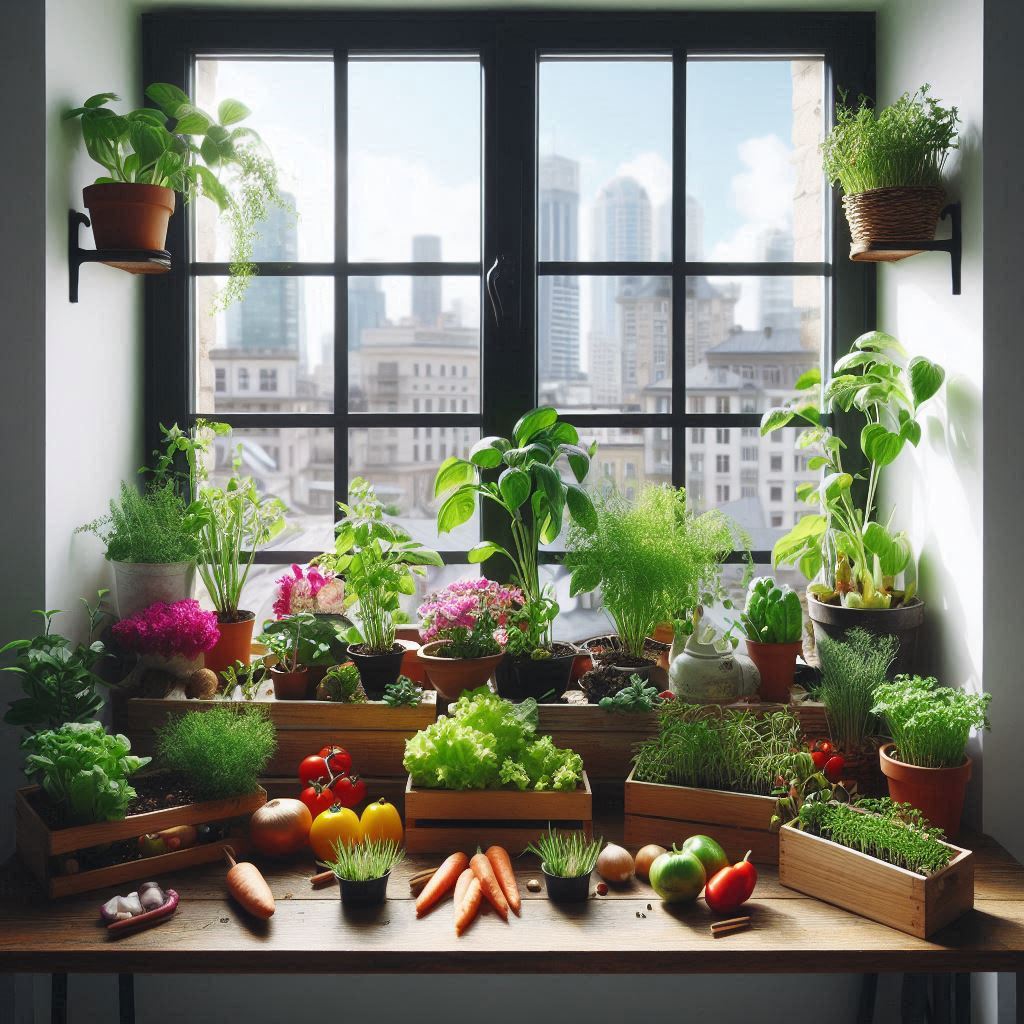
[{"x": 627, "y": 931}]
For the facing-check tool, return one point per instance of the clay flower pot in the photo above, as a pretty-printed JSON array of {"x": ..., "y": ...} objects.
[
  {"x": 235, "y": 643},
  {"x": 451, "y": 676},
  {"x": 129, "y": 215},
  {"x": 291, "y": 685},
  {"x": 938, "y": 793},
  {"x": 776, "y": 664}
]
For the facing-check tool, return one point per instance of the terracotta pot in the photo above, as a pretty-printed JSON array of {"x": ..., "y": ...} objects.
[
  {"x": 938, "y": 793},
  {"x": 377, "y": 671},
  {"x": 412, "y": 665},
  {"x": 235, "y": 643},
  {"x": 451, "y": 676},
  {"x": 128, "y": 215},
  {"x": 664, "y": 633},
  {"x": 295, "y": 685},
  {"x": 776, "y": 664}
]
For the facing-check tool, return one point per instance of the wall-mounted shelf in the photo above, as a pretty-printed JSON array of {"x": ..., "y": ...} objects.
[
  {"x": 134, "y": 261},
  {"x": 891, "y": 252}
]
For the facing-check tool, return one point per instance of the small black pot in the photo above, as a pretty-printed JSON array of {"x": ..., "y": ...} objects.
[
  {"x": 904, "y": 623},
  {"x": 567, "y": 890},
  {"x": 370, "y": 893},
  {"x": 377, "y": 670},
  {"x": 522, "y": 676}
]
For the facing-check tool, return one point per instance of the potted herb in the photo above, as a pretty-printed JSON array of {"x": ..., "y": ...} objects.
[
  {"x": 290, "y": 674},
  {"x": 169, "y": 637},
  {"x": 772, "y": 623},
  {"x": 889, "y": 166},
  {"x": 380, "y": 561},
  {"x": 567, "y": 860},
  {"x": 464, "y": 627},
  {"x": 863, "y": 573},
  {"x": 343, "y": 685},
  {"x": 152, "y": 544},
  {"x": 363, "y": 870},
  {"x": 403, "y": 693},
  {"x": 927, "y": 764},
  {"x": 522, "y": 476},
  {"x": 151, "y": 153}
]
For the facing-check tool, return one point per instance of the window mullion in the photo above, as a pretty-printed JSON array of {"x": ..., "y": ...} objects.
[{"x": 341, "y": 339}]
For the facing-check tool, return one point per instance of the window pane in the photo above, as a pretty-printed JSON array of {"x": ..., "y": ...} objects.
[
  {"x": 753, "y": 171},
  {"x": 414, "y": 160},
  {"x": 605, "y": 167},
  {"x": 271, "y": 352},
  {"x": 401, "y": 463},
  {"x": 414, "y": 344},
  {"x": 292, "y": 103},
  {"x": 605, "y": 343},
  {"x": 295, "y": 464},
  {"x": 748, "y": 339}
]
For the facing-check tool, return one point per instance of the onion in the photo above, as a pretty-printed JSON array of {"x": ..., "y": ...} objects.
[
  {"x": 280, "y": 827},
  {"x": 646, "y": 857},
  {"x": 151, "y": 896},
  {"x": 615, "y": 864}
]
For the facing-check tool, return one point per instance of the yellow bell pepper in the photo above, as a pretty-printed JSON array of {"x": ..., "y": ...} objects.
[
  {"x": 333, "y": 826},
  {"x": 381, "y": 821}
]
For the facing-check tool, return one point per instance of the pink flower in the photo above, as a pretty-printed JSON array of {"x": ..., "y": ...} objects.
[
  {"x": 297, "y": 591},
  {"x": 182, "y": 628},
  {"x": 468, "y": 610},
  {"x": 330, "y": 597}
]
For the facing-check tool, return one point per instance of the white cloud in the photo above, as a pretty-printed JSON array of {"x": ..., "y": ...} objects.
[{"x": 653, "y": 171}]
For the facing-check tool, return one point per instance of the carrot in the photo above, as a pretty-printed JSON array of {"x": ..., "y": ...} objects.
[
  {"x": 469, "y": 907},
  {"x": 489, "y": 883},
  {"x": 249, "y": 887},
  {"x": 502, "y": 864},
  {"x": 461, "y": 886},
  {"x": 444, "y": 878}
]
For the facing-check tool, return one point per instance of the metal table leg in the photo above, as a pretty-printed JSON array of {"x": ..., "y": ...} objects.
[
  {"x": 58, "y": 998},
  {"x": 126, "y": 998}
]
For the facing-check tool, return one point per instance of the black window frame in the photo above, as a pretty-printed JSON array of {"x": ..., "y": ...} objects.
[{"x": 508, "y": 45}]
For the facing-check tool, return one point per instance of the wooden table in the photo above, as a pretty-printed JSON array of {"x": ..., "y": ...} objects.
[{"x": 628, "y": 931}]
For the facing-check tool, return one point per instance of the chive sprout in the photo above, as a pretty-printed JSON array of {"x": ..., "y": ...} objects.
[
  {"x": 362, "y": 862},
  {"x": 566, "y": 854}
]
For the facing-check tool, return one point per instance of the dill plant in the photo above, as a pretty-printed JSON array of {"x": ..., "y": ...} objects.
[
  {"x": 852, "y": 670},
  {"x": 650, "y": 558},
  {"x": 905, "y": 144}
]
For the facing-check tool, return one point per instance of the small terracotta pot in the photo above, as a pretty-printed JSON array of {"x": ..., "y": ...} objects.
[
  {"x": 377, "y": 671},
  {"x": 412, "y": 665},
  {"x": 291, "y": 685},
  {"x": 235, "y": 643},
  {"x": 776, "y": 664},
  {"x": 129, "y": 215},
  {"x": 938, "y": 793},
  {"x": 451, "y": 676}
]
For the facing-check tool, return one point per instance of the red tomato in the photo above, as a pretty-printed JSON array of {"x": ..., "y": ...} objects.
[
  {"x": 834, "y": 768},
  {"x": 317, "y": 800},
  {"x": 349, "y": 790},
  {"x": 820, "y": 759},
  {"x": 313, "y": 768},
  {"x": 824, "y": 746},
  {"x": 339, "y": 760}
]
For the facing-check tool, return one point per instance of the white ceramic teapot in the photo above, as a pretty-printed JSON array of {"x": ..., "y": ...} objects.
[{"x": 699, "y": 673}]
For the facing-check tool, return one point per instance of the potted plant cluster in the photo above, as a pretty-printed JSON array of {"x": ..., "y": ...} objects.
[
  {"x": 464, "y": 628},
  {"x": 889, "y": 166},
  {"x": 523, "y": 476},
  {"x": 379, "y": 561},
  {"x": 926, "y": 764},
  {"x": 151, "y": 153},
  {"x": 772, "y": 623},
  {"x": 863, "y": 574}
]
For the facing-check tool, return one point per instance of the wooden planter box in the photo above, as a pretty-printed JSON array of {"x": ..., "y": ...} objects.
[
  {"x": 665, "y": 814},
  {"x": 885, "y": 893},
  {"x": 604, "y": 739},
  {"x": 442, "y": 820},
  {"x": 374, "y": 734},
  {"x": 39, "y": 845}
]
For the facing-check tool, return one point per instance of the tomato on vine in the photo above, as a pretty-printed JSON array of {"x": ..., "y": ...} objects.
[
  {"x": 318, "y": 797},
  {"x": 349, "y": 790}
]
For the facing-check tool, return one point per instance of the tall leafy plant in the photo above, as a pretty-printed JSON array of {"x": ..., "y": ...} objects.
[{"x": 858, "y": 558}]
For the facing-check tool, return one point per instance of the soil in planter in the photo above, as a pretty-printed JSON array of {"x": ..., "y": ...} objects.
[
  {"x": 603, "y": 681},
  {"x": 610, "y": 652}
]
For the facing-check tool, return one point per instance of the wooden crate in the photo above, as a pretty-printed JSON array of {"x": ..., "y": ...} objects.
[
  {"x": 38, "y": 844},
  {"x": 374, "y": 734},
  {"x": 885, "y": 893},
  {"x": 669, "y": 814},
  {"x": 604, "y": 739},
  {"x": 442, "y": 821}
]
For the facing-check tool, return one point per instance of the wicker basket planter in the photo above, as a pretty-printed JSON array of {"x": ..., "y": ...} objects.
[{"x": 884, "y": 215}]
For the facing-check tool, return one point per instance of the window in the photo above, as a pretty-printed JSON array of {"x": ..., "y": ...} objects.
[
  {"x": 748, "y": 454},
  {"x": 721, "y": 463},
  {"x": 655, "y": 288},
  {"x": 776, "y": 463},
  {"x": 775, "y": 493},
  {"x": 220, "y": 376},
  {"x": 696, "y": 463},
  {"x": 776, "y": 520},
  {"x": 243, "y": 378}
]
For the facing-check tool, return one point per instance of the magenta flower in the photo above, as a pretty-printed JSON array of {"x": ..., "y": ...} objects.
[
  {"x": 312, "y": 589},
  {"x": 470, "y": 614},
  {"x": 182, "y": 628}
]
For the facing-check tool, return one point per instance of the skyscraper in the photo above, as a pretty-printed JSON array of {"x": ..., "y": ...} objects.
[
  {"x": 366, "y": 308},
  {"x": 426, "y": 291},
  {"x": 558, "y": 297},
  {"x": 775, "y": 295}
]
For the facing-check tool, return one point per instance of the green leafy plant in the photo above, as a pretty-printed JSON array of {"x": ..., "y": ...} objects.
[
  {"x": 178, "y": 146},
  {"x": 403, "y": 693},
  {"x": 531, "y": 492},
  {"x": 857, "y": 557},
  {"x": 320, "y": 641},
  {"x": 380, "y": 561},
  {"x": 147, "y": 526},
  {"x": 249, "y": 677},
  {"x": 708, "y": 748},
  {"x": 905, "y": 144},
  {"x": 57, "y": 675},
  {"x": 930, "y": 724},
  {"x": 285, "y": 641},
  {"x": 83, "y": 770},
  {"x": 637, "y": 697},
  {"x": 222, "y": 751},
  {"x": 852, "y": 670},
  {"x": 566, "y": 854},
  {"x": 649, "y": 558},
  {"x": 343, "y": 685},
  {"x": 485, "y": 742},
  {"x": 362, "y": 862},
  {"x": 772, "y": 614}
]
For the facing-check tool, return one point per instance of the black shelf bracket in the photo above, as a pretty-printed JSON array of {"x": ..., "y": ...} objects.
[{"x": 134, "y": 261}]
